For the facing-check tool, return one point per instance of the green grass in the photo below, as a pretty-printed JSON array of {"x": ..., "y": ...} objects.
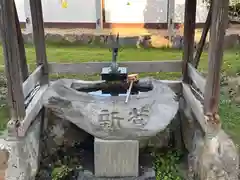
[
  {"x": 230, "y": 117},
  {"x": 166, "y": 165},
  {"x": 84, "y": 54},
  {"x": 4, "y": 116},
  {"x": 73, "y": 54}
]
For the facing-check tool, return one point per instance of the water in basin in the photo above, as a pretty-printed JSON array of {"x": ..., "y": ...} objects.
[
  {"x": 113, "y": 89},
  {"x": 100, "y": 93}
]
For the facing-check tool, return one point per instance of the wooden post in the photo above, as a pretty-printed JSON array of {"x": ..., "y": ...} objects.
[
  {"x": 11, "y": 57},
  {"x": 171, "y": 4},
  {"x": 39, "y": 37},
  {"x": 203, "y": 38},
  {"x": 215, "y": 56},
  {"x": 40, "y": 46},
  {"x": 22, "y": 54},
  {"x": 99, "y": 14},
  {"x": 189, "y": 33},
  {"x": 28, "y": 16}
]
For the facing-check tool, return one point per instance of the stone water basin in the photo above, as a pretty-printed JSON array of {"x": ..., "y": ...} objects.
[{"x": 107, "y": 116}]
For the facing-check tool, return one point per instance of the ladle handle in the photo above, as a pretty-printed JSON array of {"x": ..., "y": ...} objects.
[{"x": 129, "y": 91}]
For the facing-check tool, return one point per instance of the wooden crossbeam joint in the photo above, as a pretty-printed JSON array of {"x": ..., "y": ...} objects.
[{"x": 12, "y": 127}]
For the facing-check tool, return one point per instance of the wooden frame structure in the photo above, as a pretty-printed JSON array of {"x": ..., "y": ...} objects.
[{"x": 20, "y": 83}]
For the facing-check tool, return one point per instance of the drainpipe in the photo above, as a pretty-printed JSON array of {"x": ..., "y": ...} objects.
[
  {"x": 99, "y": 15},
  {"x": 27, "y": 10}
]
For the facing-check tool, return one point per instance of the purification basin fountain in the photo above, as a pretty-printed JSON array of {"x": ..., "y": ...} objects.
[
  {"x": 107, "y": 116},
  {"x": 120, "y": 111},
  {"x": 100, "y": 107}
]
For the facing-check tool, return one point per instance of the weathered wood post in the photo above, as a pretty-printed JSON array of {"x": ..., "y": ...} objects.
[
  {"x": 189, "y": 34},
  {"x": 171, "y": 4},
  {"x": 99, "y": 14},
  {"x": 12, "y": 68},
  {"x": 39, "y": 38},
  {"x": 215, "y": 56},
  {"x": 27, "y": 11},
  {"x": 40, "y": 46},
  {"x": 202, "y": 41},
  {"x": 22, "y": 54},
  {"x": 218, "y": 149}
]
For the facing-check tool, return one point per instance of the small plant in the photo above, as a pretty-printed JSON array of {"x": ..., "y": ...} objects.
[
  {"x": 165, "y": 165},
  {"x": 61, "y": 173}
]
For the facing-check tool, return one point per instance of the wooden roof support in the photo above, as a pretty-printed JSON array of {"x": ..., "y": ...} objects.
[
  {"x": 39, "y": 37},
  {"x": 12, "y": 68},
  {"x": 22, "y": 54},
  {"x": 99, "y": 14},
  {"x": 189, "y": 33},
  {"x": 202, "y": 41},
  {"x": 217, "y": 32}
]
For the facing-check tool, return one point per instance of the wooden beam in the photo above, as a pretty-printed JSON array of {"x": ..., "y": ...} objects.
[
  {"x": 96, "y": 67},
  {"x": 32, "y": 111},
  {"x": 196, "y": 78},
  {"x": 215, "y": 55},
  {"x": 189, "y": 33},
  {"x": 195, "y": 106},
  {"x": 39, "y": 37},
  {"x": 22, "y": 54},
  {"x": 171, "y": 7},
  {"x": 103, "y": 11},
  {"x": 28, "y": 16},
  {"x": 99, "y": 14},
  {"x": 11, "y": 57},
  {"x": 35, "y": 106},
  {"x": 32, "y": 80},
  {"x": 203, "y": 38}
]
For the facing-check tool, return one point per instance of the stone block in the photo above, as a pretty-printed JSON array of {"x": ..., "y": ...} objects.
[
  {"x": 116, "y": 158},
  {"x": 54, "y": 38}
]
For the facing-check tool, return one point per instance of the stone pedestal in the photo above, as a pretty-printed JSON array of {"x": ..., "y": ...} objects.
[{"x": 116, "y": 158}]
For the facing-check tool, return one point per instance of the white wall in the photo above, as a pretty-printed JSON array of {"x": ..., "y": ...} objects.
[
  {"x": 148, "y": 11},
  {"x": 138, "y": 11},
  {"x": 77, "y": 11},
  {"x": 201, "y": 13},
  {"x": 20, "y": 10},
  {"x": 117, "y": 11}
]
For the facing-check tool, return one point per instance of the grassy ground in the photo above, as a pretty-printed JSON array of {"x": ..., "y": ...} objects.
[
  {"x": 230, "y": 113},
  {"x": 75, "y": 54},
  {"x": 230, "y": 116}
]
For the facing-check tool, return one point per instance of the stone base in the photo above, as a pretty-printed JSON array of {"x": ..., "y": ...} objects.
[
  {"x": 19, "y": 156},
  {"x": 212, "y": 154},
  {"x": 116, "y": 158}
]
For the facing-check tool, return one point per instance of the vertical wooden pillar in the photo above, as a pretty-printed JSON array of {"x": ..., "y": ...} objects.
[
  {"x": 189, "y": 33},
  {"x": 11, "y": 56},
  {"x": 203, "y": 38},
  {"x": 99, "y": 14},
  {"x": 27, "y": 11},
  {"x": 22, "y": 54},
  {"x": 103, "y": 12},
  {"x": 39, "y": 37},
  {"x": 171, "y": 10},
  {"x": 215, "y": 55}
]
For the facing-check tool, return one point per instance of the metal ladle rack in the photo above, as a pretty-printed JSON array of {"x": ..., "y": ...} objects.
[{"x": 114, "y": 72}]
